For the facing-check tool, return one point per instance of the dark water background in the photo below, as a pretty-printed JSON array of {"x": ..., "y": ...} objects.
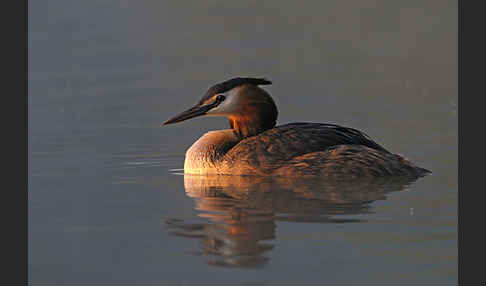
[{"x": 106, "y": 209}]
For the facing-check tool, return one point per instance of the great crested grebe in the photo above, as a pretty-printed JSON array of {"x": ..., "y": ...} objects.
[{"x": 254, "y": 146}]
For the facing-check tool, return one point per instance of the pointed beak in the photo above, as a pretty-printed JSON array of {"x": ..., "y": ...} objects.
[{"x": 195, "y": 111}]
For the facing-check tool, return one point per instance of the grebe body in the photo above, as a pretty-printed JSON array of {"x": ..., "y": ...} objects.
[{"x": 254, "y": 146}]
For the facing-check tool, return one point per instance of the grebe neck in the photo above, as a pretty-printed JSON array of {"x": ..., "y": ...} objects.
[{"x": 257, "y": 114}]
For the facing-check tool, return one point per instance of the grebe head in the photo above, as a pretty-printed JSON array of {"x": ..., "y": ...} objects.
[{"x": 249, "y": 109}]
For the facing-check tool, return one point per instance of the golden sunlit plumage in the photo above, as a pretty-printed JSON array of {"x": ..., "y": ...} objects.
[{"x": 254, "y": 146}]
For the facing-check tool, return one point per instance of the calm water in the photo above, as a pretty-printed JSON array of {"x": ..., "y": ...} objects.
[{"x": 107, "y": 205}]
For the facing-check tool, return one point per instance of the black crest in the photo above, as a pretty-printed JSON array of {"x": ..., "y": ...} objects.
[{"x": 232, "y": 83}]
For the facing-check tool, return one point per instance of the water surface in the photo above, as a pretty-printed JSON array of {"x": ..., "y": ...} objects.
[{"x": 107, "y": 205}]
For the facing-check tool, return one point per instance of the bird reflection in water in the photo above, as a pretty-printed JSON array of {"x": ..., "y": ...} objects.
[{"x": 243, "y": 211}]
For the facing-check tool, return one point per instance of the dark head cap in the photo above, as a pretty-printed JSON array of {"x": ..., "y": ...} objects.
[{"x": 232, "y": 83}]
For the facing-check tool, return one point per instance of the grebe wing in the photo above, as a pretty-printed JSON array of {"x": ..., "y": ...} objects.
[
  {"x": 351, "y": 161},
  {"x": 329, "y": 135},
  {"x": 267, "y": 150}
]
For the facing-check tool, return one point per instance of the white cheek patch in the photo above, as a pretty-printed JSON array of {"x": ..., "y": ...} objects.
[{"x": 226, "y": 107}]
